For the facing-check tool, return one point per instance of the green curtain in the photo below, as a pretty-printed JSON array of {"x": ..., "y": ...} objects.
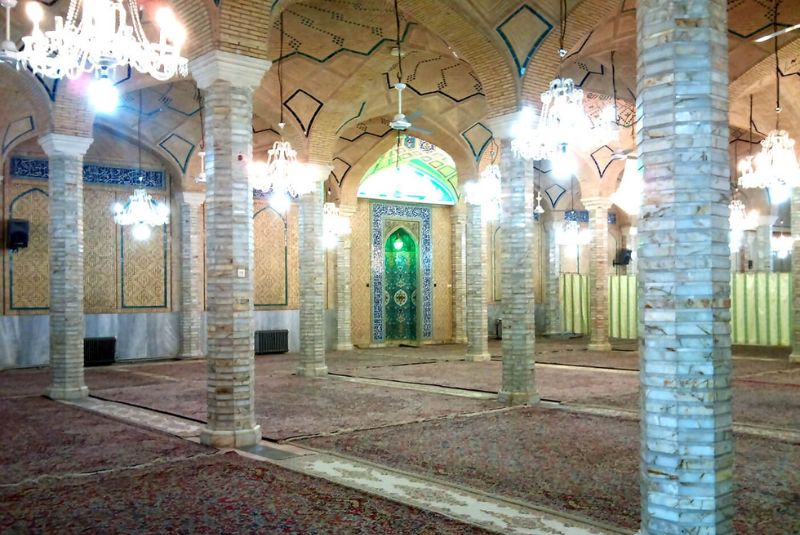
[{"x": 574, "y": 295}]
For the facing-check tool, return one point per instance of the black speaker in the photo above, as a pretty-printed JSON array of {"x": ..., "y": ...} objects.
[
  {"x": 17, "y": 235},
  {"x": 623, "y": 257}
]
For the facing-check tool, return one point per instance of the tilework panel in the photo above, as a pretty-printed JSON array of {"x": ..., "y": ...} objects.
[
  {"x": 360, "y": 275},
  {"x": 271, "y": 257},
  {"x": 442, "y": 274},
  {"x": 99, "y": 251},
  {"x": 422, "y": 214},
  {"x": 29, "y": 269},
  {"x": 38, "y": 169},
  {"x": 144, "y": 269}
]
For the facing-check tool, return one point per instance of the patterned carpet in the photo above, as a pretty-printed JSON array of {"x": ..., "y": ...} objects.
[
  {"x": 289, "y": 406},
  {"x": 67, "y": 471},
  {"x": 580, "y": 464}
]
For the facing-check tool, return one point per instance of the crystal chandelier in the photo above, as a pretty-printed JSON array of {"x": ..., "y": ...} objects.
[
  {"x": 99, "y": 35},
  {"x": 740, "y": 221},
  {"x": 571, "y": 234},
  {"x": 141, "y": 211},
  {"x": 282, "y": 177},
  {"x": 631, "y": 189},
  {"x": 334, "y": 224},
  {"x": 782, "y": 246},
  {"x": 486, "y": 191}
]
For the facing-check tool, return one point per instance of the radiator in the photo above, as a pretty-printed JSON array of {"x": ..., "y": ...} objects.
[
  {"x": 272, "y": 342},
  {"x": 99, "y": 351}
]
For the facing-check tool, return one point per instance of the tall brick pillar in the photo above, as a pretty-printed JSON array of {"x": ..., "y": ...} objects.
[
  {"x": 228, "y": 81},
  {"x": 599, "y": 272},
  {"x": 684, "y": 268},
  {"x": 553, "y": 297},
  {"x": 344, "y": 312},
  {"x": 476, "y": 307},
  {"x": 191, "y": 317},
  {"x": 65, "y": 153},
  {"x": 458, "y": 224},
  {"x": 312, "y": 278},
  {"x": 518, "y": 261},
  {"x": 795, "y": 215}
]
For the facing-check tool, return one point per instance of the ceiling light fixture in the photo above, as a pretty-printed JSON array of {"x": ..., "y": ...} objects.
[
  {"x": 97, "y": 36},
  {"x": 334, "y": 225},
  {"x": 776, "y": 166},
  {"x": 282, "y": 177},
  {"x": 740, "y": 221},
  {"x": 141, "y": 210},
  {"x": 486, "y": 190},
  {"x": 8, "y": 49},
  {"x": 570, "y": 234}
]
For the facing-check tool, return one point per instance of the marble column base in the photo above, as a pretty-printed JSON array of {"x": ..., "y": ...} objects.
[
  {"x": 600, "y": 346},
  {"x": 477, "y": 357},
  {"x": 66, "y": 394},
  {"x": 794, "y": 358},
  {"x": 513, "y": 399},
  {"x": 312, "y": 371},
  {"x": 231, "y": 439},
  {"x": 344, "y": 347}
]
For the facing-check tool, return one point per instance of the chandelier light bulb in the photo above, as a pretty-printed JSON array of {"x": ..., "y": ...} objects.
[
  {"x": 782, "y": 246},
  {"x": 35, "y": 13},
  {"x": 563, "y": 163},
  {"x": 774, "y": 167},
  {"x": 333, "y": 224},
  {"x": 282, "y": 173},
  {"x": 279, "y": 202},
  {"x": 141, "y": 232},
  {"x": 103, "y": 95},
  {"x": 141, "y": 210}
]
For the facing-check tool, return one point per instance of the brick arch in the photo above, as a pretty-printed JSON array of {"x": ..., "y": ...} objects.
[
  {"x": 466, "y": 166},
  {"x": 200, "y": 18},
  {"x": 500, "y": 85},
  {"x": 35, "y": 94},
  {"x": 583, "y": 19}
]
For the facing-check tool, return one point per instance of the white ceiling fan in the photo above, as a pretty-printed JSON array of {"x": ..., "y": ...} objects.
[
  {"x": 8, "y": 49},
  {"x": 777, "y": 33},
  {"x": 401, "y": 122}
]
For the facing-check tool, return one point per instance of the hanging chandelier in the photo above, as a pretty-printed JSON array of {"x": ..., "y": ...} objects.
[
  {"x": 740, "y": 221},
  {"x": 775, "y": 166},
  {"x": 571, "y": 234},
  {"x": 282, "y": 177},
  {"x": 782, "y": 246},
  {"x": 141, "y": 210},
  {"x": 334, "y": 225},
  {"x": 98, "y": 36},
  {"x": 486, "y": 190}
]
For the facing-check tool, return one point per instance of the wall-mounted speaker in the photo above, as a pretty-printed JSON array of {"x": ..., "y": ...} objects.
[
  {"x": 623, "y": 257},
  {"x": 17, "y": 234}
]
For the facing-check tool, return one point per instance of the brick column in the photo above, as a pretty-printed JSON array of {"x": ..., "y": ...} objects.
[
  {"x": 684, "y": 286},
  {"x": 476, "y": 308},
  {"x": 599, "y": 272},
  {"x": 228, "y": 81},
  {"x": 518, "y": 261},
  {"x": 192, "y": 287},
  {"x": 312, "y": 279},
  {"x": 65, "y": 153},
  {"x": 795, "y": 215},
  {"x": 344, "y": 310},
  {"x": 553, "y": 299},
  {"x": 458, "y": 225},
  {"x": 763, "y": 245}
]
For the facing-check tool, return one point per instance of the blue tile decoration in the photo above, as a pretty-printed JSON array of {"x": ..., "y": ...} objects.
[
  {"x": 530, "y": 25},
  {"x": 581, "y": 216},
  {"x": 38, "y": 169},
  {"x": 422, "y": 214}
]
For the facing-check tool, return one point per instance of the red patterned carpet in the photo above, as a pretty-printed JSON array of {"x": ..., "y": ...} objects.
[{"x": 581, "y": 464}]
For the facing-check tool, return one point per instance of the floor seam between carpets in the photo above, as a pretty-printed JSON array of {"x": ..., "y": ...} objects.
[
  {"x": 45, "y": 478},
  {"x": 145, "y": 407},
  {"x": 400, "y": 381},
  {"x": 395, "y": 424}
]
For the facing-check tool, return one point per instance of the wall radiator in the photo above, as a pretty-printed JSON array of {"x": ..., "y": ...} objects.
[
  {"x": 99, "y": 351},
  {"x": 272, "y": 342}
]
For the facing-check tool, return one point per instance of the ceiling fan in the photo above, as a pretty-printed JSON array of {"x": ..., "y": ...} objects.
[
  {"x": 777, "y": 33},
  {"x": 402, "y": 122},
  {"x": 8, "y": 49}
]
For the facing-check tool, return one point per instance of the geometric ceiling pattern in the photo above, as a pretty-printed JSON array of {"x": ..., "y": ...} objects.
[
  {"x": 427, "y": 73},
  {"x": 477, "y": 137},
  {"x": 522, "y": 32}
]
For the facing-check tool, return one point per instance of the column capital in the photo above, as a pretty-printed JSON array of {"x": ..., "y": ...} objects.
[
  {"x": 597, "y": 203},
  {"x": 238, "y": 70},
  {"x": 502, "y": 126},
  {"x": 65, "y": 145},
  {"x": 192, "y": 198}
]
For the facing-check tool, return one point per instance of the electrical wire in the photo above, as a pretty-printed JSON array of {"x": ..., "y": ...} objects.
[
  {"x": 399, "y": 45},
  {"x": 280, "y": 71}
]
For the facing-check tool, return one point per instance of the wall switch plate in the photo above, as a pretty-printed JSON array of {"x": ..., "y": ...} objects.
[{"x": 241, "y": 273}]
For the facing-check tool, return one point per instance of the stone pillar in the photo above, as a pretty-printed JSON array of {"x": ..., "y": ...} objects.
[
  {"x": 228, "y": 81},
  {"x": 476, "y": 307},
  {"x": 518, "y": 262},
  {"x": 312, "y": 278},
  {"x": 65, "y": 153},
  {"x": 599, "y": 272},
  {"x": 763, "y": 245},
  {"x": 344, "y": 313},
  {"x": 795, "y": 222},
  {"x": 684, "y": 286},
  {"x": 457, "y": 225},
  {"x": 191, "y": 317},
  {"x": 553, "y": 299}
]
